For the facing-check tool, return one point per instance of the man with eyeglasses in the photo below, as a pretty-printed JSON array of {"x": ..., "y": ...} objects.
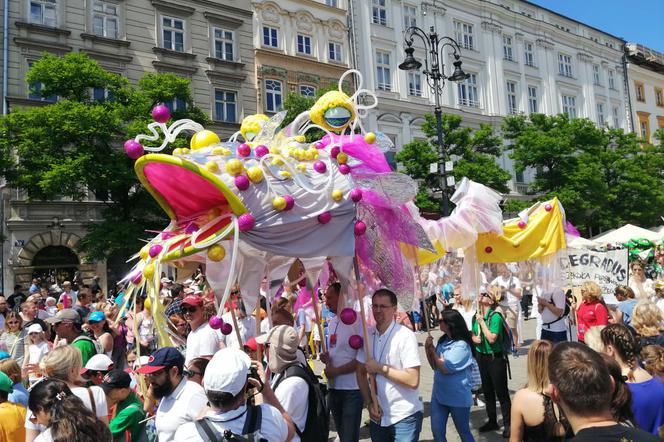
[
  {"x": 180, "y": 400},
  {"x": 395, "y": 363},
  {"x": 67, "y": 325},
  {"x": 202, "y": 341}
]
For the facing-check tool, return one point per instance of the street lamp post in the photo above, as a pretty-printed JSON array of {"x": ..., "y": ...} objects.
[{"x": 434, "y": 70}]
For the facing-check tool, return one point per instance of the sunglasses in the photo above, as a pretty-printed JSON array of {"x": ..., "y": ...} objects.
[
  {"x": 486, "y": 295},
  {"x": 93, "y": 322},
  {"x": 191, "y": 373},
  {"x": 189, "y": 309}
]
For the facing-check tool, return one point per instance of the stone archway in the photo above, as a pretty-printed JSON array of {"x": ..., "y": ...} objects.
[{"x": 24, "y": 267}]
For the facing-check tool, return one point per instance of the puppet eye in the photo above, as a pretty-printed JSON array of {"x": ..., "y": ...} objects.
[{"x": 337, "y": 116}]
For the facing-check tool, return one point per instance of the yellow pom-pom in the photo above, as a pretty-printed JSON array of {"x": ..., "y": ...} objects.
[
  {"x": 216, "y": 253},
  {"x": 212, "y": 166},
  {"x": 203, "y": 139},
  {"x": 300, "y": 138},
  {"x": 370, "y": 138},
  {"x": 255, "y": 174},
  {"x": 234, "y": 167},
  {"x": 337, "y": 195},
  {"x": 285, "y": 174},
  {"x": 252, "y": 125},
  {"x": 277, "y": 161},
  {"x": 279, "y": 203},
  {"x": 218, "y": 150},
  {"x": 177, "y": 151},
  {"x": 342, "y": 158},
  {"x": 301, "y": 167},
  {"x": 144, "y": 253},
  {"x": 148, "y": 271},
  {"x": 147, "y": 304},
  {"x": 185, "y": 150}
]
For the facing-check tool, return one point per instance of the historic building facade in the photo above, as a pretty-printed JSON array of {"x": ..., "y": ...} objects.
[
  {"x": 645, "y": 71},
  {"x": 521, "y": 58},
  {"x": 300, "y": 46},
  {"x": 207, "y": 41}
]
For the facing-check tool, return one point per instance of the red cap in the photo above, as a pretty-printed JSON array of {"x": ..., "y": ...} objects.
[
  {"x": 195, "y": 300},
  {"x": 251, "y": 344}
]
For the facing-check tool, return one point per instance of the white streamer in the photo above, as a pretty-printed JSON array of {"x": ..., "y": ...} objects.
[{"x": 170, "y": 133}]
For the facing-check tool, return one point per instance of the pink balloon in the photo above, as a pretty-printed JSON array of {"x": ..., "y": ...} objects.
[
  {"x": 335, "y": 151},
  {"x": 348, "y": 316},
  {"x": 261, "y": 151},
  {"x": 360, "y": 228},
  {"x": 244, "y": 150},
  {"x": 319, "y": 145},
  {"x": 216, "y": 322},
  {"x": 344, "y": 169},
  {"x": 167, "y": 235},
  {"x": 320, "y": 167},
  {"x": 548, "y": 207},
  {"x": 356, "y": 342},
  {"x": 226, "y": 328},
  {"x": 522, "y": 224},
  {"x": 356, "y": 195},
  {"x": 290, "y": 202},
  {"x": 133, "y": 149},
  {"x": 155, "y": 250},
  {"x": 136, "y": 279},
  {"x": 242, "y": 182},
  {"x": 161, "y": 114},
  {"x": 324, "y": 217},
  {"x": 488, "y": 249},
  {"x": 246, "y": 222}
]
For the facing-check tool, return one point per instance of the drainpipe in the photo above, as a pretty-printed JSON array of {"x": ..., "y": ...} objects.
[
  {"x": 5, "y": 55},
  {"x": 630, "y": 120}
]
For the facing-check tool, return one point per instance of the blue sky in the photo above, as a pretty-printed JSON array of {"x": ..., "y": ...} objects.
[{"x": 638, "y": 21}]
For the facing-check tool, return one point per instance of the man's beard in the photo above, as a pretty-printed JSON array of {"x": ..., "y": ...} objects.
[{"x": 162, "y": 390}]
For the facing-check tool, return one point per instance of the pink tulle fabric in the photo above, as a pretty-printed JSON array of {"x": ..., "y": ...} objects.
[
  {"x": 571, "y": 230},
  {"x": 370, "y": 156}
]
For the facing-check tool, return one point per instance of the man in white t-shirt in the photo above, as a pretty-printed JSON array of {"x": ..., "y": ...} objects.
[
  {"x": 180, "y": 400},
  {"x": 202, "y": 341},
  {"x": 245, "y": 324},
  {"x": 344, "y": 399},
  {"x": 510, "y": 298},
  {"x": 292, "y": 392},
  {"x": 395, "y": 363},
  {"x": 226, "y": 382},
  {"x": 552, "y": 308}
]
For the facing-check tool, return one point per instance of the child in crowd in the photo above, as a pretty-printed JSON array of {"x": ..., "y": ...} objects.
[{"x": 37, "y": 349}]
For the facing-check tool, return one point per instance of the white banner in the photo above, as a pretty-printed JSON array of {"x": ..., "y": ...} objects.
[{"x": 608, "y": 269}]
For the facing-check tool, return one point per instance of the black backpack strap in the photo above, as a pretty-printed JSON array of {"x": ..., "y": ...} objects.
[
  {"x": 254, "y": 419},
  {"x": 206, "y": 432},
  {"x": 298, "y": 370}
]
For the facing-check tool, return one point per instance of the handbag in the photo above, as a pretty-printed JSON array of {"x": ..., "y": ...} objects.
[{"x": 475, "y": 378}]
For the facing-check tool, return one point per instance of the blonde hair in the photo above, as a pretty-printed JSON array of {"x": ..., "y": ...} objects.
[
  {"x": 647, "y": 318},
  {"x": 592, "y": 289},
  {"x": 10, "y": 368},
  {"x": 538, "y": 366},
  {"x": 63, "y": 362},
  {"x": 652, "y": 357},
  {"x": 593, "y": 338}
]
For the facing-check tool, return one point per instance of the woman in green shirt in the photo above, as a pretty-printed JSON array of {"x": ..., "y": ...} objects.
[{"x": 487, "y": 331}]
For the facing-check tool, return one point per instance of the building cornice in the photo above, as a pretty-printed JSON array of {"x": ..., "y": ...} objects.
[
  {"x": 172, "y": 67},
  {"x": 103, "y": 55},
  {"x": 41, "y": 29},
  {"x": 173, "y": 8},
  {"x": 175, "y": 54},
  {"x": 105, "y": 40},
  {"x": 223, "y": 20},
  {"x": 48, "y": 46},
  {"x": 324, "y": 67}
]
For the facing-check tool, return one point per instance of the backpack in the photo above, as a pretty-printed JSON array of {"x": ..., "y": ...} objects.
[
  {"x": 317, "y": 426},
  {"x": 505, "y": 338},
  {"x": 250, "y": 431},
  {"x": 98, "y": 348},
  {"x": 568, "y": 309}
]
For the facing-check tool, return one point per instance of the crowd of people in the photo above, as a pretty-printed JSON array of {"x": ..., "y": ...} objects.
[{"x": 76, "y": 366}]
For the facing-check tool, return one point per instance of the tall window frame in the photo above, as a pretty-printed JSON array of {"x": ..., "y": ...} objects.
[
  {"x": 529, "y": 53},
  {"x": 533, "y": 102},
  {"x": 379, "y": 12},
  {"x": 43, "y": 12},
  {"x": 597, "y": 75},
  {"x": 508, "y": 48},
  {"x": 173, "y": 33},
  {"x": 569, "y": 105},
  {"x": 383, "y": 71},
  {"x": 414, "y": 84},
  {"x": 468, "y": 91},
  {"x": 640, "y": 92},
  {"x": 464, "y": 34},
  {"x": 612, "y": 79},
  {"x": 106, "y": 19},
  {"x": 304, "y": 44},
  {"x": 225, "y": 105},
  {"x": 511, "y": 90},
  {"x": 270, "y": 37},
  {"x": 409, "y": 16},
  {"x": 601, "y": 118},
  {"x": 565, "y": 65},
  {"x": 224, "y": 44},
  {"x": 335, "y": 51},
  {"x": 274, "y": 95}
]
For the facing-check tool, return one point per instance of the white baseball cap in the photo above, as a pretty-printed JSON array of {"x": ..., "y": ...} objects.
[
  {"x": 98, "y": 363},
  {"x": 35, "y": 328},
  {"x": 227, "y": 371}
]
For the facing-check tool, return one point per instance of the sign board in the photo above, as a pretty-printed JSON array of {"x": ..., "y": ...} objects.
[{"x": 608, "y": 269}]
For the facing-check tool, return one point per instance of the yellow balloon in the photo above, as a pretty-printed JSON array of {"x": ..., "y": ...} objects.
[
  {"x": 337, "y": 195},
  {"x": 277, "y": 162},
  {"x": 279, "y": 203},
  {"x": 147, "y": 304},
  {"x": 144, "y": 253},
  {"x": 177, "y": 151},
  {"x": 148, "y": 271},
  {"x": 203, "y": 139},
  {"x": 285, "y": 174},
  {"x": 234, "y": 167},
  {"x": 185, "y": 150},
  {"x": 301, "y": 167},
  {"x": 212, "y": 166},
  {"x": 216, "y": 253},
  {"x": 255, "y": 174},
  {"x": 342, "y": 158},
  {"x": 370, "y": 138}
]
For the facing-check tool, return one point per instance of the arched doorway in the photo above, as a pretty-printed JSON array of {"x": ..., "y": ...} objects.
[{"x": 55, "y": 264}]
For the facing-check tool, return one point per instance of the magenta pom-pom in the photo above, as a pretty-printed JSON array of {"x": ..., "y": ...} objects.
[
  {"x": 216, "y": 322},
  {"x": 355, "y": 342},
  {"x": 356, "y": 195},
  {"x": 320, "y": 167},
  {"x": 136, "y": 278},
  {"x": 242, "y": 182},
  {"x": 246, "y": 222},
  {"x": 155, "y": 250},
  {"x": 324, "y": 217},
  {"x": 360, "y": 228},
  {"x": 191, "y": 228},
  {"x": 133, "y": 149},
  {"x": 319, "y": 145},
  {"x": 488, "y": 249},
  {"x": 244, "y": 150},
  {"x": 226, "y": 328},
  {"x": 167, "y": 235},
  {"x": 522, "y": 224},
  {"x": 290, "y": 202},
  {"x": 261, "y": 151},
  {"x": 348, "y": 316},
  {"x": 335, "y": 151},
  {"x": 344, "y": 169},
  {"x": 160, "y": 113},
  {"x": 548, "y": 207}
]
